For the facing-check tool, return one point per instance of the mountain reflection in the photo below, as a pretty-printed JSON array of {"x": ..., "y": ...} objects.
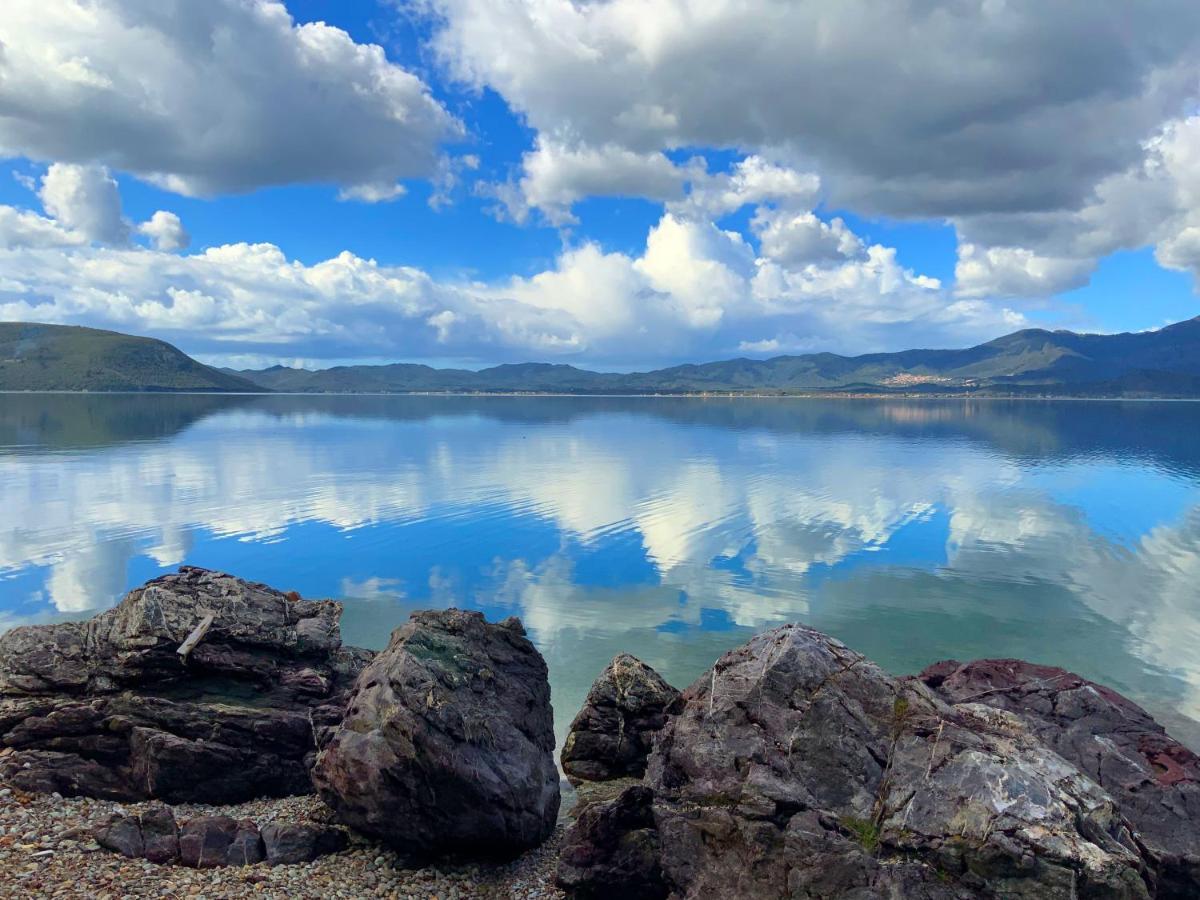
[{"x": 1066, "y": 533}]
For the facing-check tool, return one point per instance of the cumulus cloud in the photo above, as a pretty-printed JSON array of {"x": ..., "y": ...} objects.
[
  {"x": 165, "y": 231},
  {"x": 1016, "y": 272},
  {"x": 931, "y": 111},
  {"x": 799, "y": 238},
  {"x": 212, "y": 97},
  {"x": 1049, "y": 136},
  {"x": 85, "y": 199},
  {"x": 695, "y": 291},
  {"x": 1155, "y": 202},
  {"x": 557, "y": 175}
]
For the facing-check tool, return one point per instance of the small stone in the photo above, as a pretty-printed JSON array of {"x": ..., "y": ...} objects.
[
  {"x": 204, "y": 841},
  {"x": 121, "y": 834}
]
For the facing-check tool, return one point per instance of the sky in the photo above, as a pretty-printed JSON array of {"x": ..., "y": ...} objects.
[{"x": 618, "y": 184}]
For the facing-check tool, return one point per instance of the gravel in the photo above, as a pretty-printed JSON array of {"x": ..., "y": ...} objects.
[{"x": 46, "y": 850}]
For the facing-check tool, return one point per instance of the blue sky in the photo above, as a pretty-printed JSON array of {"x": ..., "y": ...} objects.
[{"x": 594, "y": 184}]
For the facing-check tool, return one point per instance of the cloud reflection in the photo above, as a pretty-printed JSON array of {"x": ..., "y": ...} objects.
[{"x": 620, "y": 528}]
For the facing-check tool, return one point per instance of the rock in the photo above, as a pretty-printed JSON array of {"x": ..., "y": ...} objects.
[
  {"x": 613, "y": 844},
  {"x": 108, "y": 708},
  {"x": 612, "y": 735},
  {"x": 1154, "y": 779},
  {"x": 797, "y": 768},
  {"x": 160, "y": 834},
  {"x": 204, "y": 841},
  {"x": 246, "y": 848},
  {"x": 121, "y": 834},
  {"x": 298, "y": 843},
  {"x": 447, "y": 744}
]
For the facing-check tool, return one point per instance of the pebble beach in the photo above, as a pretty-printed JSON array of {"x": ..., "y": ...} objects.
[{"x": 47, "y": 850}]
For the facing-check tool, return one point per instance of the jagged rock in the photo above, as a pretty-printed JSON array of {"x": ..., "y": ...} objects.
[
  {"x": 614, "y": 843},
  {"x": 797, "y": 768},
  {"x": 448, "y": 741},
  {"x": 160, "y": 834},
  {"x": 108, "y": 707},
  {"x": 1154, "y": 779},
  {"x": 246, "y": 848},
  {"x": 612, "y": 735},
  {"x": 121, "y": 834},
  {"x": 204, "y": 841},
  {"x": 298, "y": 843}
]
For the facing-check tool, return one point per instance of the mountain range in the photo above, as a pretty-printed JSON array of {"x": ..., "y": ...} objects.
[{"x": 1165, "y": 362}]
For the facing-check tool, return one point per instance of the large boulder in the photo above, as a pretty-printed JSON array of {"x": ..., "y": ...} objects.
[
  {"x": 124, "y": 707},
  {"x": 797, "y": 768},
  {"x": 447, "y": 744},
  {"x": 1154, "y": 778},
  {"x": 612, "y": 735}
]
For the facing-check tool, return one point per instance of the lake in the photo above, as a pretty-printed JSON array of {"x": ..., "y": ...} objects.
[{"x": 1064, "y": 532}]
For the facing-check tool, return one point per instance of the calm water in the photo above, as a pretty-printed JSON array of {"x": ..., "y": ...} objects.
[{"x": 1066, "y": 533}]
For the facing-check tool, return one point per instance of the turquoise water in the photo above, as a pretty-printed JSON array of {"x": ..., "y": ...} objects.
[{"x": 1062, "y": 532}]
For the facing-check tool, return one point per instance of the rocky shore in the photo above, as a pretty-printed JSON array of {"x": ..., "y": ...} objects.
[{"x": 210, "y": 737}]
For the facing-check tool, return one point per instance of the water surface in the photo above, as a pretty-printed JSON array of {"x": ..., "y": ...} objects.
[{"x": 1062, "y": 532}]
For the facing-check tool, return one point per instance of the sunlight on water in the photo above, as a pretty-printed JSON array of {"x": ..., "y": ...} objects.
[{"x": 1065, "y": 533}]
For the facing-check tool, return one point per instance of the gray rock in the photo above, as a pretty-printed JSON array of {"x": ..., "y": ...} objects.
[
  {"x": 204, "y": 841},
  {"x": 1154, "y": 779},
  {"x": 447, "y": 744},
  {"x": 288, "y": 843},
  {"x": 121, "y": 834},
  {"x": 614, "y": 844},
  {"x": 612, "y": 735},
  {"x": 798, "y": 769},
  {"x": 108, "y": 708},
  {"x": 246, "y": 848},
  {"x": 160, "y": 834}
]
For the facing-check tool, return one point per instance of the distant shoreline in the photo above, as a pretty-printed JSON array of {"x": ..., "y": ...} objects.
[{"x": 706, "y": 395}]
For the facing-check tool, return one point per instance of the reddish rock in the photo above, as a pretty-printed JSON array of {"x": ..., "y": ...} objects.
[
  {"x": 121, "y": 834},
  {"x": 796, "y": 768},
  {"x": 204, "y": 841},
  {"x": 288, "y": 843},
  {"x": 160, "y": 834},
  {"x": 1154, "y": 778},
  {"x": 246, "y": 848}
]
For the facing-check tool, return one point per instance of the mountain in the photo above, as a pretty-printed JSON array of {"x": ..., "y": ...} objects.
[
  {"x": 69, "y": 358},
  {"x": 1034, "y": 362},
  {"x": 1030, "y": 362}
]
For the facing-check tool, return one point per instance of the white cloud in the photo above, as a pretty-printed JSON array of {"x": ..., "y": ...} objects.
[
  {"x": 166, "y": 231},
  {"x": 930, "y": 111},
  {"x": 1155, "y": 202},
  {"x": 373, "y": 192},
  {"x": 21, "y": 228},
  {"x": 1016, "y": 272},
  {"x": 557, "y": 175},
  {"x": 752, "y": 180},
  {"x": 696, "y": 291},
  {"x": 85, "y": 199},
  {"x": 211, "y": 97},
  {"x": 796, "y": 238}
]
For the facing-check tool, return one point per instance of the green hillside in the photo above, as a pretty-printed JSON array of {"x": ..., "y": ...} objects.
[
  {"x": 69, "y": 358},
  {"x": 1155, "y": 363},
  {"x": 1163, "y": 363}
]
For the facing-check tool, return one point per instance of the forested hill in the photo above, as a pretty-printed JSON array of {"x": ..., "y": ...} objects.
[
  {"x": 1032, "y": 362},
  {"x": 1164, "y": 362},
  {"x": 69, "y": 358}
]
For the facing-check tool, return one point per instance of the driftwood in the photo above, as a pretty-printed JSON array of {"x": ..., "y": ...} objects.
[{"x": 197, "y": 635}]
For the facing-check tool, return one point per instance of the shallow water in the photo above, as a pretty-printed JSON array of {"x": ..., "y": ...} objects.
[{"x": 1062, "y": 532}]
